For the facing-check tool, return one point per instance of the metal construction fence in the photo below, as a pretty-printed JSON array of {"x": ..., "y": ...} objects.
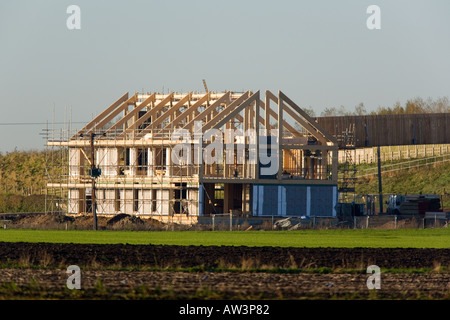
[
  {"x": 430, "y": 220},
  {"x": 245, "y": 223}
]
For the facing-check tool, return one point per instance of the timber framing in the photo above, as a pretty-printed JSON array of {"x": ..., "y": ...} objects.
[{"x": 137, "y": 143}]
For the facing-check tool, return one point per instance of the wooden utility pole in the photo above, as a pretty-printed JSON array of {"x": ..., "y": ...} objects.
[
  {"x": 94, "y": 173},
  {"x": 93, "y": 200},
  {"x": 380, "y": 186}
]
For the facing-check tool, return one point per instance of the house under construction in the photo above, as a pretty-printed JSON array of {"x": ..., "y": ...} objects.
[{"x": 178, "y": 156}]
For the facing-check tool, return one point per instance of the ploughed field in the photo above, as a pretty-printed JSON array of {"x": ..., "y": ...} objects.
[{"x": 115, "y": 271}]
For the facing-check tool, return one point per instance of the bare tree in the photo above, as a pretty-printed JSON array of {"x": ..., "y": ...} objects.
[
  {"x": 360, "y": 109},
  {"x": 329, "y": 112}
]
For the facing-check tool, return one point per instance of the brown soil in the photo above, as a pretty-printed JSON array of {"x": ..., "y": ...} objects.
[
  {"x": 163, "y": 256},
  {"x": 221, "y": 272},
  {"x": 107, "y": 284}
]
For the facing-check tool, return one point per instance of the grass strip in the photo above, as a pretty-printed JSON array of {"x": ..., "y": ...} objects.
[{"x": 336, "y": 238}]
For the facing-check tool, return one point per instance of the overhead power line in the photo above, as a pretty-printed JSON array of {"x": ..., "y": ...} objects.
[{"x": 34, "y": 123}]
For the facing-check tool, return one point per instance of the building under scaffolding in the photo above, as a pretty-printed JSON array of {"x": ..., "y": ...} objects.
[{"x": 178, "y": 156}]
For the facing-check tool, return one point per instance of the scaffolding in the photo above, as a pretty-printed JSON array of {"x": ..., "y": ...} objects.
[
  {"x": 150, "y": 151},
  {"x": 347, "y": 168}
]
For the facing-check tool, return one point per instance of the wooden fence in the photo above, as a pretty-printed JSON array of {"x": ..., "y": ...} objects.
[
  {"x": 392, "y": 130},
  {"x": 394, "y": 153}
]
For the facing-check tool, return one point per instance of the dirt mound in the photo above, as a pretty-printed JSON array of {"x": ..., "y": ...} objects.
[
  {"x": 125, "y": 221},
  {"x": 117, "y": 218},
  {"x": 86, "y": 222},
  {"x": 41, "y": 221}
]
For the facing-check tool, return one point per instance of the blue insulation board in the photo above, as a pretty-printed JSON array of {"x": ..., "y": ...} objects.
[{"x": 295, "y": 200}]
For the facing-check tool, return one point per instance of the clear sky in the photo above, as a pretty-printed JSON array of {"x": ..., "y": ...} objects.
[{"x": 320, "y": 53}]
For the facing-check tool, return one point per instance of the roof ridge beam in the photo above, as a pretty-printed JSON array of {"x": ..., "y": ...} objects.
[
  {"x": 227, "y": 110},
  {"x": 253, "y": 98},
  {"x": 272, "y": 113},
  {"x": 138, "y": 108},
  {"x": 186, "y": 112},
  {"x": 170, "y": 112},
  {"x": 147, "y": 115},
  {"x": 310, "y": 120},
  {"x": 209, "y": 109},
  {"x": 297, "y": 118}
]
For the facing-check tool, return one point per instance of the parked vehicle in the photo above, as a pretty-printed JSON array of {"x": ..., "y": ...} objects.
[{"x": 415, "y": 204}]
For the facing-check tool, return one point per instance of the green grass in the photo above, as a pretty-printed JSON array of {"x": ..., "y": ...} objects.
[
  {"x": 426, "y": 180},
  {"x": 402, "y": 238}
]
